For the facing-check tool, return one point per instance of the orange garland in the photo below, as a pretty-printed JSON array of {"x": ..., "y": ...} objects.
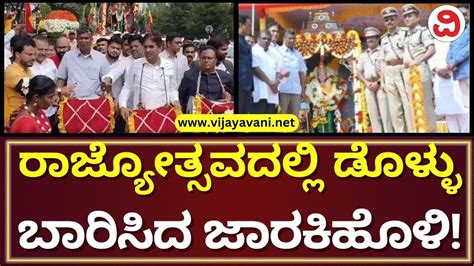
[
  {"x": 417, "y": 99},
  {"x": 62, "y": 14}
]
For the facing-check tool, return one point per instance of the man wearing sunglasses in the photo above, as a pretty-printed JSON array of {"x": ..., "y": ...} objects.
[{"x": 392, "y": 72}]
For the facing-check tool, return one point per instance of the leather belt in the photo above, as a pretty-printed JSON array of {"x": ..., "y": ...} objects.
[{"x": 394, "y": 62}]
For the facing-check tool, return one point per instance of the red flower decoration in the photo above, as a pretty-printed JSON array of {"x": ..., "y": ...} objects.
[{"x": 62, "y": 14}]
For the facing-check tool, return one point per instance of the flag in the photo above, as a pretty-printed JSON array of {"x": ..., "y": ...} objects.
[
  {"x": 102, "y": 19},
  {"x": 28, "y": 18},
  {"x": 91, "y": 16},
  {"x": 103, "y": 13},
  {"x": 150, "y": 20}
]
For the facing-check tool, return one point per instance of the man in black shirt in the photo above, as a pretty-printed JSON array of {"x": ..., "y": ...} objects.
[{"x": 212, "y": 83}]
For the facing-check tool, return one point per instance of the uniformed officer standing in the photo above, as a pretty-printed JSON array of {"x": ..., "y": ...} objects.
[
  {"x": 419, "y": 48},
  {"x": 393, "y": 73},
  {"x": 368, "y": 71}
]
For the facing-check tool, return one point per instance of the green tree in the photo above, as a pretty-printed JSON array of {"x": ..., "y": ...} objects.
[
  {"x": 192, "y": 18},
  {"x": 218, "y": 15},
  {"x": 75, "y": 8},
  {"x": 45, "y": 9}
]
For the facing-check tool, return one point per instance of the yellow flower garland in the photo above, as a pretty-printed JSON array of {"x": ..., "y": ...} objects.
[
  {"x": 417, "y": 99},
  {"x": 358, "y": 87},
  {"x": 365, "y": 111},
  {"x": 324, "y": 43}
]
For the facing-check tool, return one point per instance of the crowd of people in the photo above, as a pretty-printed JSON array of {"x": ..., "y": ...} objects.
[
  {"x": 138, "y": 71},
  {"x": 273, "y": 78}
]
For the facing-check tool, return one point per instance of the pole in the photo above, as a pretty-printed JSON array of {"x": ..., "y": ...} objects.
[{"x": 253, "y": 19}]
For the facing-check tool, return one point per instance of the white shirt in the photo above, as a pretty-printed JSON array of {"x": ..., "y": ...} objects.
[
  {"x": 448, "y": 95},
  {"x": 147, "y": 82},
  {"x": 118, "y": 72},
  {"x": 222, "y": 67},
  {"x": 83, "y": 72},
  {"x": 180, "y": 64},
  {"x": 7, "y": 38},
  {"x": 293, "y": 62},
  {"x": 7, "y": 56},
  {"x": 46, "y": 68},
  {"x": 267, "y": 61}
]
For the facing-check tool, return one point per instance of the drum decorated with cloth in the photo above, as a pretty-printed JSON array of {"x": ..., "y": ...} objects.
[
  {"x": 206, "y": 106},
  {"x": 86, "y": 115},
  {"x": 159, "y": 120}
]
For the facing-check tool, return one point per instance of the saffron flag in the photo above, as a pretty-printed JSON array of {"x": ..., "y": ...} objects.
[
  {"x": 28, "y": 18},
  {"x": 150, "y": 20}
]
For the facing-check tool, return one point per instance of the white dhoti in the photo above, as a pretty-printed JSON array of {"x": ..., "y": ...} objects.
[{"x": 450, "y": 103}]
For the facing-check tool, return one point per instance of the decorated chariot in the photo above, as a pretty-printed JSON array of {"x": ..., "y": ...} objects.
[{"x": 323, "y": 37}]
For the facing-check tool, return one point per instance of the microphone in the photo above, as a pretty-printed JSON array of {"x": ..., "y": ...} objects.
[{"x": 164, "y": 81}]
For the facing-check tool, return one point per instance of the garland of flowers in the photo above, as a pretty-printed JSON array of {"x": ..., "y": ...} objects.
[
  {"x": 360, "y": 109},
  {"x": 365, "y": 113},
  {"x": 340, "y": 45},
  {"x": 419, "y": 114},
  {"x": 60, "y": 21},
  {"x": 308, "y": 44},
  {"x": 361, "y": 118},
  {"x": 324, "y": 98},
  {"x": 120, "y": 21}
]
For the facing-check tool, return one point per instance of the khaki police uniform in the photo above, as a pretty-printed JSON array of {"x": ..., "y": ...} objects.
[
  {"x": 417, "y": 43},
  {"x": 368, "y": 66},
  {"x": 392, "y": 46}
]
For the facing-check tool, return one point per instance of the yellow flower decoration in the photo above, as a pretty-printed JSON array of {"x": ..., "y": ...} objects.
[{"x": 417, "y": 99}]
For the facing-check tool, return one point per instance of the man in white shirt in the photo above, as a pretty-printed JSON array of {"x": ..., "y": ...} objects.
[
  {"x": 118, "y": 74},
  {"x": 265, "y": 78},
  {"x": 43, "y": 65},
  {"x": 119, "y": 71},
  {"x": 117, "y": 64},
  {"x": 151, "y": 79},
  {"x": 171, "y": 53},
  {"x": 101, "y": 45},
  {"x": 114, "y": 49},
  {"x": 73, "y": 40},
  {"x": 292, "y": 92},
  {"x": 275, "y": 33},
  {"x": 83, "y": 69},
  {"x": 447, "y": 91}
]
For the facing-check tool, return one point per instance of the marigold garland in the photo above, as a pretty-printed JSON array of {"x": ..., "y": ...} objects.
[
  {"x": 62, "y": 14},
  {"x": 60, "y": 21},
  {"x": 360, "y": 104},
  {"x": 342, "y": 46},
  {"x": 417, "y": 100}
]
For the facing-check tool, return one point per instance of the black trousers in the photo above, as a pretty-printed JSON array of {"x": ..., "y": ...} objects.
[
  {"x": 263, "y": 107},
  {"x": 245, "y": 101}
]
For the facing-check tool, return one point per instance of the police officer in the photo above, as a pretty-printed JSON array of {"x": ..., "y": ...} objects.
[
  {"x": 392, "y": 72},
  {"x": 419, "y": 48},
  {"x": 368, "y": 71}
]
